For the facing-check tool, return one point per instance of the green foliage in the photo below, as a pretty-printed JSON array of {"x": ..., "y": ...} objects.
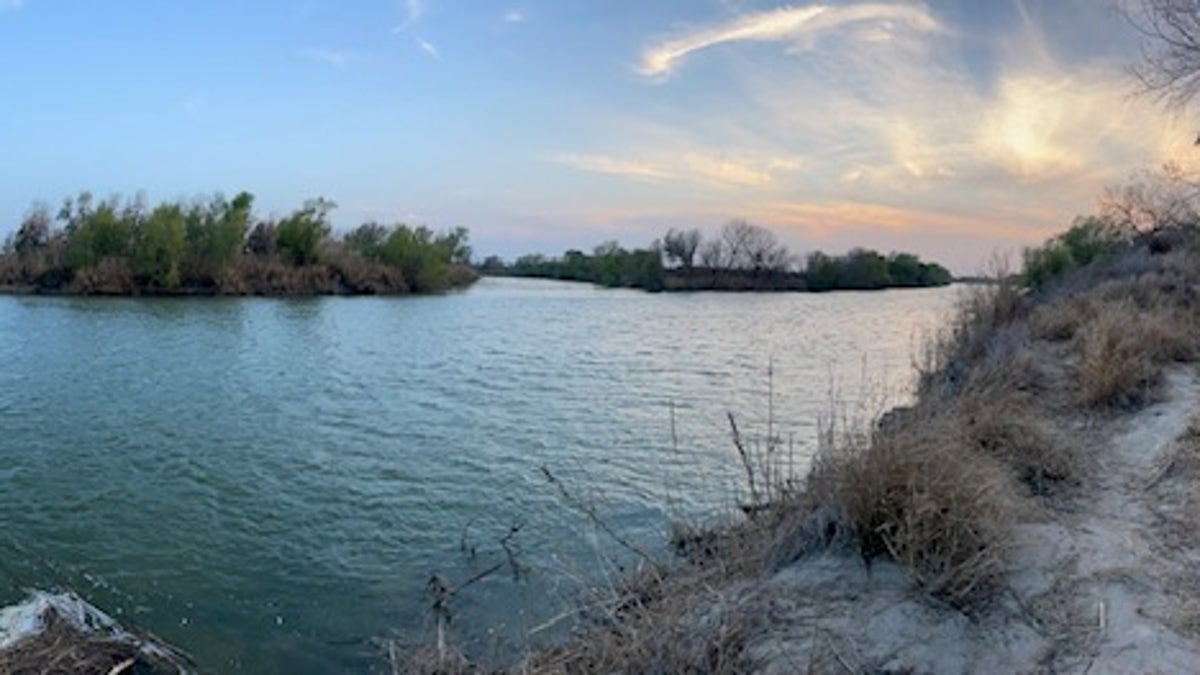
[
  {"x": 299, "y": 236},
  {"x": 608, "y": 265},
  {"x": 160, "y": 246},
  {"x": 367, "y": 239},
  {"x": 866, "y": 269},
  {"x": 1087, "y": 240},
  {"x": 425, "y": 258},
  {"x": 822, "y": 272},
  {"x": 216, "y": 232},
  {"x": 95, "y": 234},
  {"x": 122, "y": 247}
]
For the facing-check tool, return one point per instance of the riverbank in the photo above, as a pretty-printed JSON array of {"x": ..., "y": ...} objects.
[
  {"x": 742, "y": 257},
  {"x": 220, "y": 247},
  {"x": 248, "y": 276},
  {"x": 1034, "y": 509}
]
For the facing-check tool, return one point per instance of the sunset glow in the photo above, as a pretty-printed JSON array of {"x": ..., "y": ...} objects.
[{"x": 963, "y": 127}]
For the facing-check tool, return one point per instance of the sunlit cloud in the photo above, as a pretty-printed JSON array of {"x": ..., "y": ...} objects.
[
  {"x": 613, "y": 166},
  {"x": 331, "y": 57},
  {"x": 795, "y": 24},
  {"x": 720, "y": 171},
  {"x": 685, "y": 166},
  {"x": 873, "y": 124}
]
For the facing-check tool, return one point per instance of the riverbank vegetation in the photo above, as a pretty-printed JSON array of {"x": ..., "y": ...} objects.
[
  {"x": 742, "y": 257},
  {"x": 960, "y": 509},
  {"x": 218, "y": 246}
]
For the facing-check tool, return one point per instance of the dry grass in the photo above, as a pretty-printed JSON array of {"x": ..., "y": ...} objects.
[
  {"x": 983, "y": 311},
  {"x": 62, "y": 649},
  {"x": 1122, "y": 352},
  {"x": 936, "y": 487},
  {"x": 656, "y": 624},
  {"x": 1060, "y": 321},
  {"x": 924, "y": 496}
]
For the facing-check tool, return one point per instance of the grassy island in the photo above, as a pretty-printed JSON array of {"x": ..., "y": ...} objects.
[
  {"x": 217, "y": 246},
  {"x": 742, "y": 257}
]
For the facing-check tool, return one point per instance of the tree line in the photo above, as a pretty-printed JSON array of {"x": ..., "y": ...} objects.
[
  {"x": 217, "y": 245},
  {"x": 741, "y": 256}
]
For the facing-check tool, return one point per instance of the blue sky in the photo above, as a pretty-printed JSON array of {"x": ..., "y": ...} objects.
[{"x": 954, "y": 128}]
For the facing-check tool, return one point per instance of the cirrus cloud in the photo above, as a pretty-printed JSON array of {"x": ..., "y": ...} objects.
[{"x": 787, "y": 23}]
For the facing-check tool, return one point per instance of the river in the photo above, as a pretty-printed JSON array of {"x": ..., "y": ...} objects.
[{"x": 271, "y": 483}]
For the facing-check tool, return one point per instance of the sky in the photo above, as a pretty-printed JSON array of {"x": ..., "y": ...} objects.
[{"x": 956, "y": 129}]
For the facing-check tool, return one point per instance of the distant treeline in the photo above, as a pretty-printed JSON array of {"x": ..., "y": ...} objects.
[
  {"x": 218, "y": 246},
  {"x": 741, "y": 257}
]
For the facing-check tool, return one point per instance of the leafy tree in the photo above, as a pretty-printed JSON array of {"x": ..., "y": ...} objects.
[
  {"x": 94, "y": 234},
  {"x": 366, "y": 239},
  {"x": 933, "y": 274},
  {"x": 216, "y": 231},
  {"x": 454, "y": 243},
  {"x": 821, "y": 272},
  {"x": 299, "y": 236},
  {"x": 1088, "y": 239},
  {"x": 424, "y": 260},
  {"x": 865, "y": 269},
  {"x": 160, "y": 246}
]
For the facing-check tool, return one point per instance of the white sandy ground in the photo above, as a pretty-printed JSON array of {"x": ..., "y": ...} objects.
[{"x": 1104, "y": 581}]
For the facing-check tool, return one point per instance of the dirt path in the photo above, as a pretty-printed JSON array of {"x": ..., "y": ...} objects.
[{"x": 1103, "y": 581}]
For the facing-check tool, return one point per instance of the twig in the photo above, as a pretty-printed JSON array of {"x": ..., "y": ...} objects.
[
  {"x": 591, "y": 514},
  {"x": 393, "y": 657},
  {"x": 741, "y": 448},
  {"x": 512, "y": 557},
  {"x": 122, "y": 666},
  {"x": 466, "y": 548}
]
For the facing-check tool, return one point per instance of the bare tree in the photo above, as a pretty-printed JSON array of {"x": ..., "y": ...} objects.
[
  {"x": 750, "y": 247},
  {"x": 1150, "y": 200},
  {"x": 681, "y": 246},
  {"x": 1170, "y": 64},
  {"x": 713, "y": 255}
]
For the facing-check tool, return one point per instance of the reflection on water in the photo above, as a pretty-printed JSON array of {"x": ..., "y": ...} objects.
[{"x": 270, "y": 483}]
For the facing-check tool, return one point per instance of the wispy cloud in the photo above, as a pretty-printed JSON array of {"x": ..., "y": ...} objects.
[
  {"x": 11, "y": 5},
  {"x": 413, "y": 11},
  {"x": 514, "y": 16},
  {"x": 687, "y": 166},
  {"x": 784, "y": 24},
  {"x": 614, "y": 166},
  {"x": 429, "y": 48},
  {"x": 332, "y": 57}
]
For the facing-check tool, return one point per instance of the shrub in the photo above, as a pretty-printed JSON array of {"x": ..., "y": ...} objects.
[
  {"x": 1087, "y": 240},
  {"x": 1116, "y": 365},
  {"x": 923, "y": 496},
  {"x": 299, "y": 236},
  {"x": 97, "y": 234},
  {"x": 159, "y": 247},
  {"x": 216, "y": 232}
]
